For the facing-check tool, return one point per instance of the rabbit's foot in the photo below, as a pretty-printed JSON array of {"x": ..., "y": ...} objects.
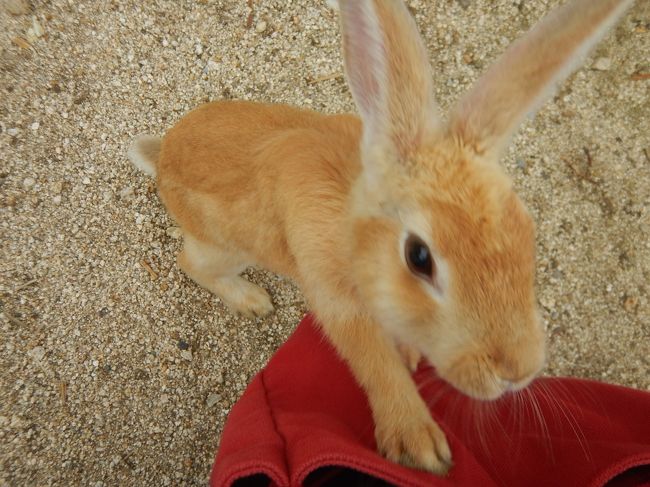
[
  {"x": 416, "y": 442},
  {"x": 244, "y": 297}
]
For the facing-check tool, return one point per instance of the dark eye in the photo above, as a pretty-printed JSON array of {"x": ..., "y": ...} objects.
[{"x": 418, "y": 257}]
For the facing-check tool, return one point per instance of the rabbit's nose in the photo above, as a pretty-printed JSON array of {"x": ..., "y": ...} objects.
[
  {"x": 517, "y": 371},
  {"x": 509, "y": 385}
]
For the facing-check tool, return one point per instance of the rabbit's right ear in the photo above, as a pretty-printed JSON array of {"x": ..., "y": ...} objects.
[{"x": 389, "y": 75}]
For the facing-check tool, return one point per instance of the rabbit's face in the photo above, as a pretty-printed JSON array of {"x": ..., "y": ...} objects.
[
  {"x": 443, "y": 249},
  {"x": 449, "y": 270}
]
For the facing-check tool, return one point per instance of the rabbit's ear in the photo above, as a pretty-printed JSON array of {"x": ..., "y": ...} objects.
[
  {"x": 389, "y": 76},
  {"x": 529, "y": 71}
]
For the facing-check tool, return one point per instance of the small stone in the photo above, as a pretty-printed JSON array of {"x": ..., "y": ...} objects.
[
  {"x": 35, "y": 31},
  {"x": 630, "y": 303},
  {"x": 212, "y": 400},
  {"x": 261, "y": 26},
  {"x": 57, "y": 199},
  {"x": 17, "y": 7},
  {"x": 211, "y": 65},
  {"x": 37, "y": 353},
  {"x": 28, "y": 183},
  {"x": 13, "y": 131},
  {"x": 602, "y": 64},
  {"x": 57, "y": 187},
  {"x": 35, "y": 126},
  {"x": 186, "y": 354},
  {"x": 174, "y": 232},
  {"x": 219, "y": 378},
  {"x": 333, "y": 4},
  {"x": 547, "y": 302},
  {"x": 86, "y": 180},
  {"x": 21, "y": 42},
  {"x": 36, "y": 28},
  {"x": 183, "y": 345},
  {"x": 127, "y": 193}
]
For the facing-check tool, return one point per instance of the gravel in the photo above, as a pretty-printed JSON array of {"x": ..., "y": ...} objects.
[{"x": 95, "y": 387}]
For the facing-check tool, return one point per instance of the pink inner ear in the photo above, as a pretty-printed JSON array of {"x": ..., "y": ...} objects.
[{"x": 364, "y": 57}]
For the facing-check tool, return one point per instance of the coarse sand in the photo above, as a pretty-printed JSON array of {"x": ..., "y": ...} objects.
[{"x": 115, "y": 368}]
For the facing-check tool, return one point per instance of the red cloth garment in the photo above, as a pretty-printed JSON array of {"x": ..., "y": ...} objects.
[{"x": 304, "y": 421}]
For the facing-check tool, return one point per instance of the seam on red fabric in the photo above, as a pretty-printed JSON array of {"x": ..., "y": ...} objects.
[
  {"x": 275, "y": 426},
  {"x": 347, "y": 462},
  {"x": 245, "y": 469},
  {"x": 619, "y": 468}
]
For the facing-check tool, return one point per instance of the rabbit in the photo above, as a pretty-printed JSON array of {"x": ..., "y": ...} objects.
[{"x": 402, "y": 230}]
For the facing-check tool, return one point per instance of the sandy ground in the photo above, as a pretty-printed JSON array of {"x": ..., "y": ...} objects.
[{"x": 116, "y": 369}]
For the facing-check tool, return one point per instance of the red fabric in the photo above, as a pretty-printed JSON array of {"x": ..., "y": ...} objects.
[{"x": 304, "y": 411}]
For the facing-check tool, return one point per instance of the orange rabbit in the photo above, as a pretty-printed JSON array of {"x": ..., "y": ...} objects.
[{"x": 399, "y": 227}]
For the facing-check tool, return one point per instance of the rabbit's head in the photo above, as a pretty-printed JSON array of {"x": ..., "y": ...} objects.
[{"x": 443, "y": 249}]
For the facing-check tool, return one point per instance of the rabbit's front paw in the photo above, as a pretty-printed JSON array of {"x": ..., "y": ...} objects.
[{"x": 417, "y": 443}]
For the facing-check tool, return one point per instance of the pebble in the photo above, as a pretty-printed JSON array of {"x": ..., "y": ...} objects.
[
  {"x": 35, "y": 126},
  {"x": 37, "y": 353},
  {"x": 28, "y": 183},
  {"x": 13, "y": 131},
  {"x": 86, "y": 180},
  {"x": 17, "y": 7},
  {"x": 261, "y": 26},
  {"x": 127, "y": 193},
  {"x": 186, "y": 354},
  {"x": 35, "y": 31},
  {"x": 174, "y": 232},
  {"x": 57, "y": 199},
  {"x": 602, "y": 64},
  {"x": 212, "y": 400}
]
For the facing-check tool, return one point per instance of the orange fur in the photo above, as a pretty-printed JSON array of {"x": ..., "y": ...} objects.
[{"x": 328, "y": 200}]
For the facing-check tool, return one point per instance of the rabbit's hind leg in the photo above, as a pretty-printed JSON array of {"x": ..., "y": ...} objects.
[{"x": 217, "y": 269}]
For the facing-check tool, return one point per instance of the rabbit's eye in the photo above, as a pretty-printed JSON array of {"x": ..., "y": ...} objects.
[{"x": 418, "y": 257}]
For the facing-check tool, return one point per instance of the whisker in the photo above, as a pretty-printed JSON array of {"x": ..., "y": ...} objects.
[
  {"x": 539, "y": 416},
  {"x": 570, "y": 419}
]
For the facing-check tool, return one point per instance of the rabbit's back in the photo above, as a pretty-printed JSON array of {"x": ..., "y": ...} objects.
[{"x": 251, "y": 174}]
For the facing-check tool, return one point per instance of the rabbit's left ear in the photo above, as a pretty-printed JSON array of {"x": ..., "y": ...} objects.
[
  {"x": 528, "y": 72},
  {"x": 389, "y": 76}
]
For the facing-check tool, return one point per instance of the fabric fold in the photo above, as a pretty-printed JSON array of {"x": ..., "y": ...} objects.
[{"x": 304, "y": 421}]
